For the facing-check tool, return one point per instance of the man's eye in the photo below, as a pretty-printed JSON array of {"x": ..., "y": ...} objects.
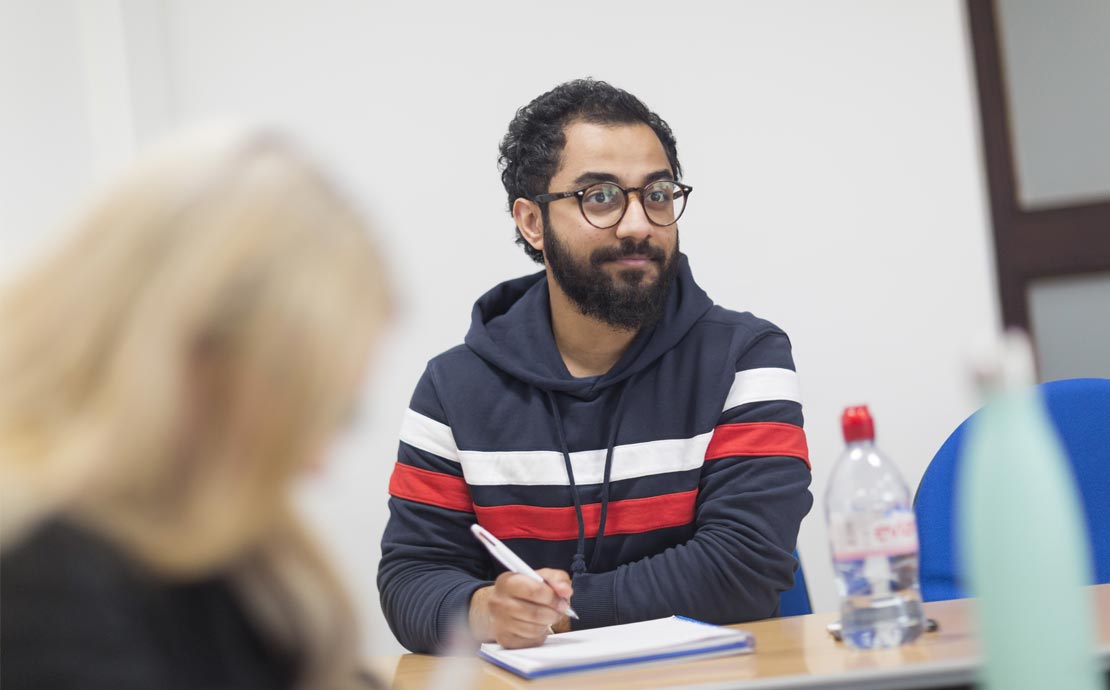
[{"x": 601, "y": 196}]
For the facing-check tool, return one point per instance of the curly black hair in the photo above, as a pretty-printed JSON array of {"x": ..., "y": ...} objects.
[{"x": 531, "y": 149}]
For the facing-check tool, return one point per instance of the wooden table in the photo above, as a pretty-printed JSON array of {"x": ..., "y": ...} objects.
[{"x": 790, "y": 653}]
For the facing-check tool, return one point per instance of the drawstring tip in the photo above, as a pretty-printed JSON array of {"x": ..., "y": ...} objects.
[{"x": 578, "y": 565}]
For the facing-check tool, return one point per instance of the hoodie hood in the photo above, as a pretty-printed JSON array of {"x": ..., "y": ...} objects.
[{"x": 511, "y": 329}]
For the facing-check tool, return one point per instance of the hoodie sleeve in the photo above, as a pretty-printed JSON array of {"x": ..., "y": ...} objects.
[
  {"x": 430, "y": 563},
  {"x": 752, "y": 495}
]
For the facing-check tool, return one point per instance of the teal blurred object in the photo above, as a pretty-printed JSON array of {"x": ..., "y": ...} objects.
[{"x": 1023, "y": 538}]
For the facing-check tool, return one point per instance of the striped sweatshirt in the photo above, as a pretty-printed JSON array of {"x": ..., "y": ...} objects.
[{"x": 674, "y": 483}]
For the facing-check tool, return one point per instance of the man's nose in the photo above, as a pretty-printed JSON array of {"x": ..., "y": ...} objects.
[{"x": 635, "y": 223}]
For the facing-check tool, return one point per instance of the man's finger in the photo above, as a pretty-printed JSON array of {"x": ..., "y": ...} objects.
[
  {"x": 522, "y": 587},
  {"x": 506, "y": 607},
  {"x": 533, "y": 614},
  {"x": 559, "y": 581},
  {"x": 516, "y": 637}
]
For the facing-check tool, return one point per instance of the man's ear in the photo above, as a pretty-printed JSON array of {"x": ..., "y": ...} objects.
[{"x": 529, "y": 221}]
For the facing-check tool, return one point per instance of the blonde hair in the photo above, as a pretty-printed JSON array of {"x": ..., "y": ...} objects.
[{"x": 223, "y": 279}]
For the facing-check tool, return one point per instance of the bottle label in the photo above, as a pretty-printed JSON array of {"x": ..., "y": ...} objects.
[{"x": 855, "y": 537}]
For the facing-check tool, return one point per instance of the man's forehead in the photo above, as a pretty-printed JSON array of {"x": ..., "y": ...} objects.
[{"x": 629, "y": 151}]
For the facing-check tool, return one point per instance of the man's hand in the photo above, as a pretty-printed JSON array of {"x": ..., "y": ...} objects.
[{"x": 517, "y": 611}]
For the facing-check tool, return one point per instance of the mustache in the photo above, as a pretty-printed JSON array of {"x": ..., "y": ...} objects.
[{"x": 628, "y": 247}]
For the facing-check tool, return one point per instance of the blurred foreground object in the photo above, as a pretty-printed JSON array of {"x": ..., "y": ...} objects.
[
  {"x": 1023, "y": 538},
  {"x": 167, "y": 373}
]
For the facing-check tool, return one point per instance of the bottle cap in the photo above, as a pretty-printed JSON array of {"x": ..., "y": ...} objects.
[
  {"x": 857, "y": 424},
  {"x": 1004, "y": 364}
]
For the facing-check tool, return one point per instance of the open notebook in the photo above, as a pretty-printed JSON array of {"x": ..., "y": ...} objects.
[{"x": 662, "y": 639}]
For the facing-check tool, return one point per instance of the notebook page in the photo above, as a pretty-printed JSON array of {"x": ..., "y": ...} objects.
[{"x": 614, "y": 643}]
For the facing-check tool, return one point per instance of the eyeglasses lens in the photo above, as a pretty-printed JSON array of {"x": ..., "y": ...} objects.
[{"x": 603, "y": 204}]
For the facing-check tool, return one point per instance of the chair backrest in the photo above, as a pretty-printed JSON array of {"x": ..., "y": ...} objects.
[
  {"x": 1080, "y": 410},
  {"x": 795, "y": 601}
]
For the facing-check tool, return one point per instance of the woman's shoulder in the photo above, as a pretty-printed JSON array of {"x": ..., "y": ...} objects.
[
  {"x": 73, "y": 614},
  {"x": 64, "y": 560},
  {"x": 79, "y": 612},
  {"x": 66, "y": 564}
]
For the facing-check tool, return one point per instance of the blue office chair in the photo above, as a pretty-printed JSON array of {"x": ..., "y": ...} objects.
[
  {"x": 1080, "y": 410},
  {"x": 795, "y": 601}
]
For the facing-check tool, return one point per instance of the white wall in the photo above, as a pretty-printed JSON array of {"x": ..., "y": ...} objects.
[
  {"x": 834, "y": 150},
  {"x": 46, "y": 150}
]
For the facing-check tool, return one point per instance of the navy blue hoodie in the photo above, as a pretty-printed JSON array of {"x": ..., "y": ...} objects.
[{"x": 674, "y": 483}]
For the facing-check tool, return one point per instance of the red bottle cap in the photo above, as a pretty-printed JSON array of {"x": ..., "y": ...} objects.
[{"x": 857, "y": 424}]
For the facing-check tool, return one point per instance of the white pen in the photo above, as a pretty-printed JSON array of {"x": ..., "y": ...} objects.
[{"x": 510, "y": 560}]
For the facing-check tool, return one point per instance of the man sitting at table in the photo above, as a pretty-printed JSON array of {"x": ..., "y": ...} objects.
[{"x": 603, "y": 416}]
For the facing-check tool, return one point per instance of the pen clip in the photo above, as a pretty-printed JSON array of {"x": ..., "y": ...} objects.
[{"x": 483, "y": 536}]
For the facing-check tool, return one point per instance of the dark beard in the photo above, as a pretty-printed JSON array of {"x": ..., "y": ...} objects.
[{"x": 622, "y": 302}]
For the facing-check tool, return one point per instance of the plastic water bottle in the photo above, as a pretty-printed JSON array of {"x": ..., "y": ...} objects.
[
  {"x": 873, "y": 539},
  {"x": 1023, "y": 536}
]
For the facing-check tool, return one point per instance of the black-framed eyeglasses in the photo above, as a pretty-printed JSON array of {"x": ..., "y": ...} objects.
[{"x": 603, "y": 204}]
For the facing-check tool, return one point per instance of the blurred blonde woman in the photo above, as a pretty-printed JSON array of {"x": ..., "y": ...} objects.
[{"x": 165, "y": 376}]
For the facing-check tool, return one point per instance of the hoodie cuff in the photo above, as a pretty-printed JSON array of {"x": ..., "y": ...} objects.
[
  {"x": 594, "y": 600},
  {"x": 454, "y": 611}
]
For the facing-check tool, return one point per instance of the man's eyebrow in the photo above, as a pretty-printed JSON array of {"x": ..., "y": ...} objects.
[
  {"x": 663, "y": 174},
  {"x": 593, "y": 177}
]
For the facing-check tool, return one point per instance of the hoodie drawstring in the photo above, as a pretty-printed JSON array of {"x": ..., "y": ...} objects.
[
  {"x": 617, "y": 416},
  {"x": 578, "y": 564}
]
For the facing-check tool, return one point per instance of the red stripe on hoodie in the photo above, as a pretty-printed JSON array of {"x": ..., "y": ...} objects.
[
  {"x": 630, "y": 516},
  {"x": 432, "y": 488},
  {"x": 758, "y": 438}
]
